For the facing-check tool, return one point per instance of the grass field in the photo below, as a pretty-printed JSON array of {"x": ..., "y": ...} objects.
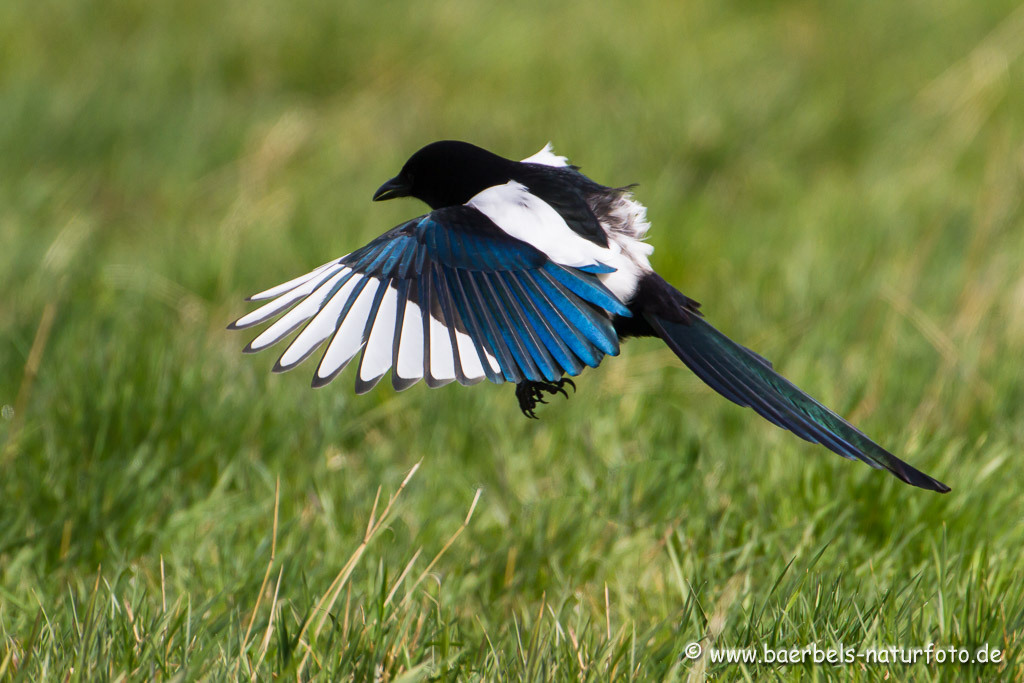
[{"x": 840, "y": 184}]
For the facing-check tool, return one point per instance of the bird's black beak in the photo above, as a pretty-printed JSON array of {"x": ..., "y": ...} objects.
[{"x": 396, "y": 187}]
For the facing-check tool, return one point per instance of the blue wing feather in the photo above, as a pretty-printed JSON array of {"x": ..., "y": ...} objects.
[
  {"x": 587, "y": 288},
  {"x": 561, "y": 355},
  {"x": 596, "y": 268},
  {"x": 565, "y": 331},
  {"x": 534, "y": 347},
  {"x": 507, "y": 363},
  {"x": 506, "y": 328},
  {"x": 598, "y": 331}
]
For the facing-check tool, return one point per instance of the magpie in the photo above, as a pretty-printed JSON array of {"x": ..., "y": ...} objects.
[{"x": 524, "y": 272}]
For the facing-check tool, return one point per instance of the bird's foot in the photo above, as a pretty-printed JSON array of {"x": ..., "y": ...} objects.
[{"x": 531, "y": 393}]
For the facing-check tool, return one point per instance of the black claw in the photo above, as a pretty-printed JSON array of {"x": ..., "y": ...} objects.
[{"x": 531, "y": 393}]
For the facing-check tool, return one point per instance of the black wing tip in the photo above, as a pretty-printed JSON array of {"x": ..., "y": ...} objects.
[
  {"x": 319, "y": 381},
  {"x": 366, "y": 386},
  {"x": 238, "y": 325},
  {"x": 435, "y": 383},
  {"x": 402, "y": 383}
]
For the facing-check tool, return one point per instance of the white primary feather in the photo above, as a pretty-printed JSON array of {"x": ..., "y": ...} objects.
[
  {"x": 493, "y": 362},
  {"x": 269, "y": 310},
  {"x": 442, "y": 360},
  {"x": 319, "y": 328},
  {"x": 293, "y": 318},
  {"x": 547, "y": 157},
  {"x": 349, "y": 337},
  {"x": 472, "y": 368},
  {"x": 287, "y": 298},
  {"x": 410, "y": 348},
  {"x": 291, "y": 284},
  {"x": 377, "y": 355}
]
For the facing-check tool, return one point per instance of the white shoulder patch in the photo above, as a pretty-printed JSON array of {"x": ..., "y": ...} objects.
[
  {"x": 523, "y": 215},
  {"x": 547, "y": 157}
]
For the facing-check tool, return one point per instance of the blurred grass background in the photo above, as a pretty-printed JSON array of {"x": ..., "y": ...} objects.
[{"x": 840, "y": 184}]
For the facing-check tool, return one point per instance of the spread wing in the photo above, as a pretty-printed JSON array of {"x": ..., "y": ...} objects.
[{"x": 447, "y": 296}]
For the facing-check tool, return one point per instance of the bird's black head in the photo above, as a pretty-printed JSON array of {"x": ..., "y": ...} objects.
[{"x": 447, "y": 173}]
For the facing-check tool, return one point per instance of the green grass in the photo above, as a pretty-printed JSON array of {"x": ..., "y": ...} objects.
[{"x": 840, "y": 184}]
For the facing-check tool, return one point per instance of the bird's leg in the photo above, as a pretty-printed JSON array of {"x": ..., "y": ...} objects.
[{"x": 531, "y": 393}]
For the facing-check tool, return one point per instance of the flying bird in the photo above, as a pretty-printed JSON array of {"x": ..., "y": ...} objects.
[{"x": 524, "y": 272}]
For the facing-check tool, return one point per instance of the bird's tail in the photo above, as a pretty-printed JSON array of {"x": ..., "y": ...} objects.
[{"x": 747, "y": 379}]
